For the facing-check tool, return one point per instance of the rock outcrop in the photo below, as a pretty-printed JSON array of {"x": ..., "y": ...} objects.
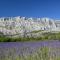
[{"x": 22, "y": 25}]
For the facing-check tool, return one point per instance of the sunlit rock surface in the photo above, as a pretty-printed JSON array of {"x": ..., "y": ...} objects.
[{"x": 22, "y": 25}]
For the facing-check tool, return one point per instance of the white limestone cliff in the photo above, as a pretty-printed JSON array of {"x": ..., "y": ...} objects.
[{"x": 23, "y": 25}]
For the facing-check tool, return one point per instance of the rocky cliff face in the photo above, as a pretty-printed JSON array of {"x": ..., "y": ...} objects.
[{"x": 22, "y": 25}]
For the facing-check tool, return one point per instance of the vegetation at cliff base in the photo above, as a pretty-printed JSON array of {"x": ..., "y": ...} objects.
[{"x": 45, "y": 36}]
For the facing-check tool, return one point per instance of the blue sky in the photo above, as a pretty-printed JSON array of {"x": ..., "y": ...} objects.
[{"x": 30, "y": 8}]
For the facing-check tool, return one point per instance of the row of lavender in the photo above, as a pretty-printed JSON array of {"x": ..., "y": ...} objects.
[{"x": 46, "y": 50}]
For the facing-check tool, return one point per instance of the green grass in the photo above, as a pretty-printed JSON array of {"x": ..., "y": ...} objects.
[
  {"x": 40, "y": 54},
  {"x": 37, "y": 31}
]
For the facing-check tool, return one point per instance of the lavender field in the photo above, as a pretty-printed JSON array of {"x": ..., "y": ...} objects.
[{"x": 41, "y": 50}]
